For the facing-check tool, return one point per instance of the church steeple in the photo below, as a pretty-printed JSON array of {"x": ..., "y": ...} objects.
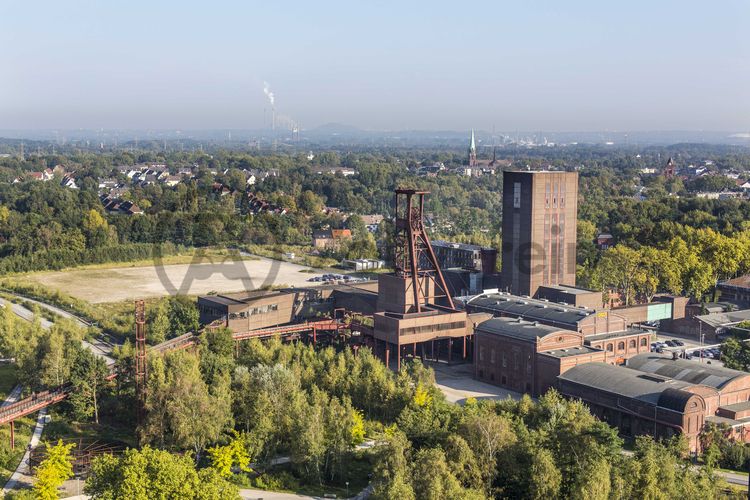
[{"x": 472, "y": 150}]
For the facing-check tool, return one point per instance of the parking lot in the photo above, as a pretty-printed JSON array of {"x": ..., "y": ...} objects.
[{"x": 687, "y": 347}]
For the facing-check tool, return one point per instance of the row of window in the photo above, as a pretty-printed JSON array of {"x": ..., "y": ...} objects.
[
  {"x": 432, "y": 328},
  {"x": 255, "y": 310},
  {"x": 631, "y": 344}
]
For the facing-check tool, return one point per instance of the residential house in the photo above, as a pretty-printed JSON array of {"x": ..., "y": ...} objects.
[{"x": 330, "y": 239}]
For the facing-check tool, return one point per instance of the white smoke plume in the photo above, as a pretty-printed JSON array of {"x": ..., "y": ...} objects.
[{"x": 269, "y": 94}]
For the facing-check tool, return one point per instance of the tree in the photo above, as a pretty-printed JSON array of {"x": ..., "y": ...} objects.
[
  {"x": 185, "y": 412},
  {"x": 619, "y": 268},
  {"x": 391, "y": 470},
  {"x": 159, "y": 323},
  {"x": 88, "y": 375},
  {"x": 431, "y": 477},
  {"x": 545, "y": 478},
  {"x": 233, "y": 454},
  {"x": 151, "y": 473},
  {"x": 183, "y": 316},
  {"x": 357, "y": 431},
  {"x": 487, "y": 434},
  {"x": 53, "y": 470}
]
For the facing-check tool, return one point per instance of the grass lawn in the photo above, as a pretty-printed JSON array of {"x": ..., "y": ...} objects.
[
  {"x": 732, "y": 471},
  {"x": 8, "y": 379}
]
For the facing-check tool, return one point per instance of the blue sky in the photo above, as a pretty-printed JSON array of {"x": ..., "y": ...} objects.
[{"x": 531, "y": 65}]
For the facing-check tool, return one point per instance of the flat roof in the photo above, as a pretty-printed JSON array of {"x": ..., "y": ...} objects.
[
  {"x": 570, "y": 351},
  {"x": 613, "y": 335},
  {"x": 715, "y": 419},
  {"x": 575, "y": 290},
  {"x": 461, "y": 246},
  {"x": 745, "y": 405},
  {"x": 728, "y": 318},
  {"x": 682, "y": 369},
  {"x": 515, "y": 328}
]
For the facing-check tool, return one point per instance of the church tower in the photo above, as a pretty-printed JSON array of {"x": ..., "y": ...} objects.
[{"x": 472, "y": 150}]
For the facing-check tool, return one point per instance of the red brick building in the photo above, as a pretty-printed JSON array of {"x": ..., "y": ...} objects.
[{"x": 527, "y": 356}]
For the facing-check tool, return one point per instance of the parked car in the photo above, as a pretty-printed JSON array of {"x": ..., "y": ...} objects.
[
  {"x": 680, "y": 343},
  {"x": 670, "y": 343}
]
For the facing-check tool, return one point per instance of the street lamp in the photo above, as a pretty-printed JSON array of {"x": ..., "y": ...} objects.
[{"x": 347, "y": 489}]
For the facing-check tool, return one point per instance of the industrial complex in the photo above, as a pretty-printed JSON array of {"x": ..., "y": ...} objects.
[{"x": 527, "y": 329}]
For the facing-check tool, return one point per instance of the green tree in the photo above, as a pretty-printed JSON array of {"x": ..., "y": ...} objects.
[
  {"x": 150, "y": 473},
  {"x": 183, "y": 316},
  {"x": 88, "y": 375},
  {"x": 545, "y": 478},
  {"x": 233, "y": 454},
  {"x": 159, "y": 323},
  {"x": 53, "y": 470}
]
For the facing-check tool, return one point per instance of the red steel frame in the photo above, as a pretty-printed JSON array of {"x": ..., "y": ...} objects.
[{"x": 413, "y": 247}]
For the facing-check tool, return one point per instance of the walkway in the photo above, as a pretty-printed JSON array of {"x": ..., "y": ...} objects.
[
  {"x": 22, "y": 477},
  {"x": 98, "y": 346},
  {"x": 13, "y": 396}
]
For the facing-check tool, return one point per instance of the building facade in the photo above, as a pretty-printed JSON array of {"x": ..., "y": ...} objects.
[{"x": 539, "y": 230}]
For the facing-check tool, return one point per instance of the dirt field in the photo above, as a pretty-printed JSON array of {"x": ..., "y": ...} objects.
[{"x": 121, "y": 283}]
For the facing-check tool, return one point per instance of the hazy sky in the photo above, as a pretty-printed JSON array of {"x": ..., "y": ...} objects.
[{"x": 528, "y": 65}]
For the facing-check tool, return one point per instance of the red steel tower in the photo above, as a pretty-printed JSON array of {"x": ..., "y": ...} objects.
[
  {"x": 140, "y": 359},
  {"x": 414, "y": 257}
]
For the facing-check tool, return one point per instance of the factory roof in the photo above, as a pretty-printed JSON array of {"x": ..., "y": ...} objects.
[
  {"x": 739, "y": 282},
  {"x": 562, "y": 315},
  {"x": 684, "y": 370},
  {"x": 744, "y": 405},
  {"x": 570, "y": 351},
  {"x": 718, "y": 319},
  {"x": 462, "y": 246},
  {"x": 516, "y": 328},
  {"x": 630, "y": 383},
  {"x": 575, "y": 290},
  {"x": 613, "y": 335}
]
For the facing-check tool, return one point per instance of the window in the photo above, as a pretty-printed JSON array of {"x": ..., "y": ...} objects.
[
  {"x": 481, "y": 354},
  {"x": 492, "y": 356},
  {"x": 644, "y": 342},
  {"x": 516, "y": 195},
  {"x": 621, "y": 346},
  {"x": 631, "y": 344},
  {"x": 505, "y": 361},
  {"x": 610, "y": 347}
]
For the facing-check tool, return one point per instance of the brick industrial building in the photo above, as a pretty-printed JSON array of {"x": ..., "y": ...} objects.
[
  {"x": 540, "y": 211},
  {"x": 662, "y": 396}
]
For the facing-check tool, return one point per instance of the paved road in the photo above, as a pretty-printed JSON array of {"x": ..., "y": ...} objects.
[
  {"x": 98, "y": 346},
  {"x": 25, "y": 313},
  {"x": 457, "y": 383},
  {"x": 14, "y": 395},
  {"x": 270, "y": 495}
]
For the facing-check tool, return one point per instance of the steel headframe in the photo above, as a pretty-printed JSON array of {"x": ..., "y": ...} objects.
[
  {"x": 414, "y": 256},
  {"x": 140, "y": 359}
]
